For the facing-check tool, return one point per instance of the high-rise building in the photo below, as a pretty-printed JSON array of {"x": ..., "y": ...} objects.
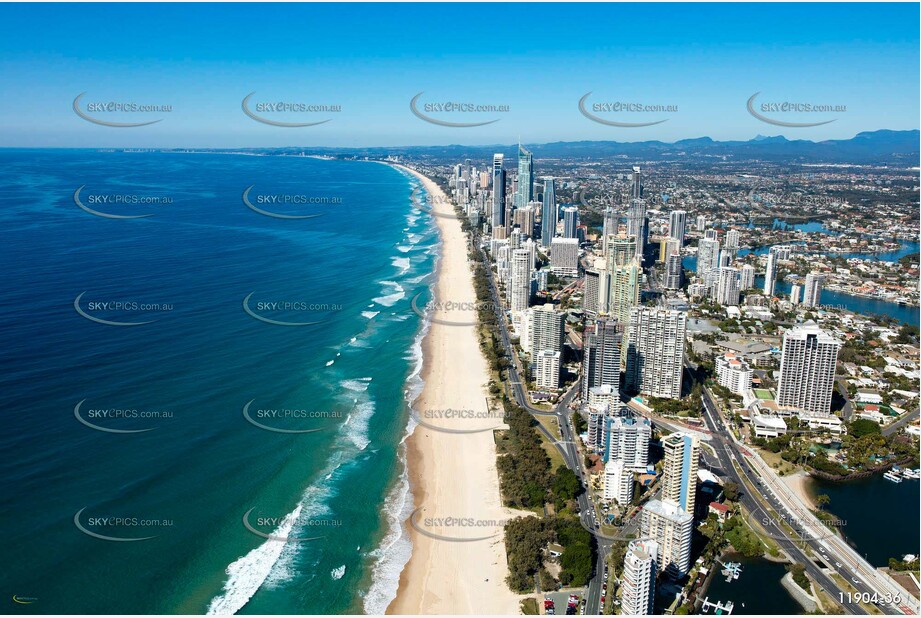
[
  {"x": 746, "y": 277},
  {"x": 637, "y": 224},
  {"x": 677, "y": 221},
  {"x": 727, "y": 287},
  {"x": 770, "y": 274},
  {"x": 625, "y": 289},
  {"x": 590, "y": 292},
  {"x": 609, "y": 227},
  {"x": 498, "y": 192},
  {"x": 701, "y": 223},
  {"x": 638, "y": 584},
  {"x": 674, "y": 272},
  {"x": 636, "y": 189},
  {"x": 708, "y": 259},
  {"x": 564, "y": 257},
  {"x": 601, "y": 356},
  {"x": 627, "y": 438},
  {"x": 547, "y": 370},
  {"x": 570, "y": 222},
  {"x": 621, "y": 251},
  {"x": 807, "y": 369},
  {"x": 733, "y": 373},
  {"x": 796, "y": 293},
  {"x": 548, "y": 217},
  {"x": 730, "y": 248},
  {"x": 618, "y": 482},
  {"x": 545, "y": 330},
  {"x": 679, "y": 472},
  {"x": 525, "y": 190},
  {"x": 813, "y": 291},
  {"x": 671, "y": 527},
  {"x": 520, "y": 285},
  {"x": 655, "y": 351}
]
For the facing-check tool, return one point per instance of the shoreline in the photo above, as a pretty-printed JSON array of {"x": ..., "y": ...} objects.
[
  {"x": 452, "y": 475},
  {"x": 798, "y": 483}
]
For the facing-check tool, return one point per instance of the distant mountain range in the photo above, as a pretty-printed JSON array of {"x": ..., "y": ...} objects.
[{"x": 880, "y": 147}]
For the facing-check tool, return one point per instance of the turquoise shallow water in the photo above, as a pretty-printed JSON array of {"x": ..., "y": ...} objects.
[{"x": 189, "y": 481}]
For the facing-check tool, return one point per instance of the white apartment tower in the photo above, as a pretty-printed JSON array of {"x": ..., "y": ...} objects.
[
  {"x": 639, "y": 578},
  {"x": 655, "y": 351},
  {"x": 807, "y": 369}
]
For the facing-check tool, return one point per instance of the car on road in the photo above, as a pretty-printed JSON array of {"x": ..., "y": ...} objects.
[
  {"x": 856, "y": 580},
  {"x": 838, "y": 564}
]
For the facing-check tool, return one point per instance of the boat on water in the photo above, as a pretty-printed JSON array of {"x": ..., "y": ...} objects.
[
  {"x": 731, "y": 570},
  {"x": 891, "y": 476}
]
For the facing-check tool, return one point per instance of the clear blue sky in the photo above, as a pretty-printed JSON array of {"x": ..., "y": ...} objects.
[{"x": 371, "y": 59}]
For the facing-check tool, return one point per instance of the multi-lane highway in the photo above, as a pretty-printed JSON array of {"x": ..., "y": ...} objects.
[{"x": 774, "y": 505}]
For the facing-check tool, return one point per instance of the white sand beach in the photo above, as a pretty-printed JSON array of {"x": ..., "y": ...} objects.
[{"x": 453, "y": 475}]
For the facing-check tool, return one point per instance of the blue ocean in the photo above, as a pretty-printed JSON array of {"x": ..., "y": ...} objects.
[{"x": 205, "y": 402}]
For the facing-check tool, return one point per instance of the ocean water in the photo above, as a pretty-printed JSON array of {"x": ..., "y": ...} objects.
[{"x": 205, "y": 505}]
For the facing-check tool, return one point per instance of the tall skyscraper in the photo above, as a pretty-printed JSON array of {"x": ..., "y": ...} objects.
[
  {"x": 807, "y": 369},
  {"x": 520, "y": 285},
  {"x": 746, "y": 277},
  {"x": 570, "y": 221},
  {"x": 636, "y": 190},
  {"x": 655, "y": 351},
  {"x": 813, "y": 291},
  {"x": 677, "y": 221},
  {"x": 547, "y": 370},
  {"x": 618, "y": 482},
  {"x": 564, "y": 257},
  {"x": 601, "y": 356},
  {"x": 708, "y": 259},
  {"x": 731, "y": 246},
  {"x": 679, "y": 472},
  {"x": 701, "y": 223},
  {"x": 627, "y": 438},
  {"x": 727, "y": 287},
  {"x": 674, "y": 272},
  {"x": 796, "y": 293},
  {"x": 770, "y": 274},
  {"x": 609, "y": 226},
  {"x": 525, "y": 190},
  {"x": 546, "y": 330},
  {"x": 636, "y": 224},
  {"x": 671, "y": 527},
  {"x": 498, "y": 192},
  {"x": 548, "y": 214},
  {"x": 625, "y": 289},
  {"x": 590, "y": 292},
  {"x": 638, "y": 584}
]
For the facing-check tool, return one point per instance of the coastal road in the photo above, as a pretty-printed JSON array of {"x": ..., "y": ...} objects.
[{"x": 566, "y": 444}]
